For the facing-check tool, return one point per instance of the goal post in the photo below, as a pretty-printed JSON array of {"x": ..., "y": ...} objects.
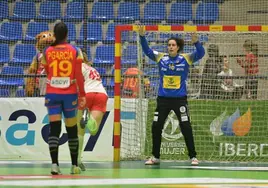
[{"x": 225, "y": 128}]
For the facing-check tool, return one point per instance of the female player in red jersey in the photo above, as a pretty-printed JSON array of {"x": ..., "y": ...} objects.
[{"x": 63, "y": 62}]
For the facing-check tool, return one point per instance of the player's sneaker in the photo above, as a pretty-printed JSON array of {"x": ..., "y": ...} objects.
[
  {"x": 194, "y": 161},
  {"x": 55, "y": 169},
  {"x": 152, "y": 161},
  {"x": 75, "y": 169},
  {"x": 92, "y": 127},
  {"x": 82, "y": 166}
]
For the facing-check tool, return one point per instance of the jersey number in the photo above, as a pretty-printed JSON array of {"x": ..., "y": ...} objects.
[
  {"x": 62, "y": 68},
  {"x": 94, "y": 75}
]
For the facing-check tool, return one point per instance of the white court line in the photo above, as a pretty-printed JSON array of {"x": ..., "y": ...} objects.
[
  {"x": 223, "y": 168},
  {"x": 132, "y": 181}
]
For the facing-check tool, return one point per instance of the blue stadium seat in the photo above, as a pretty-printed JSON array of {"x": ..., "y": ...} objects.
[
  {"x": 104, "y": 55},
  {"x": 165, "y": 36},
  {"x": 20, "y": 93},
  {"x": 71, "y": 31},
  {"x": 24, "y": 11},
  {"x": 101, "y": 70},
  {"x": 11, "y": 31},
  {"x": 163, "y": 1},
  {"x": 130, "y": 55},
  {"x": 23, "y": 54},
  {"x": 139, "y": 1},
  {"x": 110, "y": 32},
  {"x": 4, "y": 54},
  {"x": 35, "y": 28},
  {"x": 110, "y": 92},
  {"x": 50, "y": 11},
  {"x": 3, "y": 10},
  {"x": 154, "y": 12},
  {"x": 189, "y": 49},
  {"x": 207, "y": 13},
  {"x": 180, "y": 13},
  {"x": 128, "y": 11},
  {"x": 94, "y": 32},
  {"x": 12, "y": 81},
  {"x": 4, "y": 93},
  {"x": 74, "y": 11},
  {"x": 102, "y": 11}
]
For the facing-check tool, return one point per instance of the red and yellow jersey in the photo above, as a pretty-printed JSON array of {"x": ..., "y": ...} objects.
[{"x": 63, "y": 66}]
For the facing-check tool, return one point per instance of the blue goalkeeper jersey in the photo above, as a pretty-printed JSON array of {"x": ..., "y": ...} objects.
[{"x": 173, "y": 70}]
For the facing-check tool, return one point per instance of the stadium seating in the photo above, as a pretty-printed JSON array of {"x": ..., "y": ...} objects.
[
  {"x": 20, "y": 93},
  {"x": 207, "y": 13},
  {"x": 72, "y": 13},
  {"x": 23, "y": 55},
  {"x": 35, "y": 28},
  {"x": 154, "y": 12},
  {"x": 128, "y": 11},
  {"x": 4, "y": 9},
  {"x": 94, "y": 33},
  {"x": 102, "y": 11},
  {"x": 110, "y": 33},
  {"x": 4, "y": 93},
  {"x": 4, "y": 54},
  {"x": 180, "y": 13},
  {"x": 24, "y": 11},
  {"x": 104, "y": 55},
  {"x": 71, "y": 31},
  {"x": 9, "y": 80},
  {"x": 11, "y": 31},
  {"x": 129, "y": 55},
  {"x": 50, "y": 11}
]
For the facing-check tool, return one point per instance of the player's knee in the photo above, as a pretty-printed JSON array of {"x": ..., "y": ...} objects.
[
  {"x": 70, "y": 122},
  {"x": 55, "y": 128},
  {"x": 55, "y": 117}
]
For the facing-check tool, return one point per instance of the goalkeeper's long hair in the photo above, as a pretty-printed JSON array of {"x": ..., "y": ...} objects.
[{"x": 179, "y": 42}]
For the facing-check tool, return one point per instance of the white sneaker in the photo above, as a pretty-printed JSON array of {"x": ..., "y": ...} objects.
[
  {"x": 194, "y": 161},
  {"x": 152, "y": 161},
  {"x": 75, "y": 169},
  {"x": 55, "y": 169}
]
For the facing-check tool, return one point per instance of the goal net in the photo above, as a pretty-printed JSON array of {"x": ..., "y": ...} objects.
[{"x": 227, "y": 99}]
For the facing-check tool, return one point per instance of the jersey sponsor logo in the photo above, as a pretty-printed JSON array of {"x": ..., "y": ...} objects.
[
  {"x": 60, "y": 82},
  {"x": 171, "y": 82}
]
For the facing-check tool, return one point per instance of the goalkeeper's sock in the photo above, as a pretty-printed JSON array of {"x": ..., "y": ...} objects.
[
  {"x": 92, "y": 126},
  {"x": 53, "y": 141},
  {"x": 73, "y": 143},
  {"x": 80, "y": 150}
]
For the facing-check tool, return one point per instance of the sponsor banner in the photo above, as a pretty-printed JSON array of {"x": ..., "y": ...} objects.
[
  {"x": 24, "y": 132},
  {"x": 223, "y": 130}
]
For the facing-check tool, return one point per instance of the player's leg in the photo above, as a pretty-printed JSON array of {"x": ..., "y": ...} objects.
[
  {"x": 81, "y": 122},
  {"x": 54, "y": 112},
  {"x": 97, "y": 110},
  {"x": 182, "y": 113},
  {"x": 69, "y": 110},
  {"x": 160, "y": 115}
]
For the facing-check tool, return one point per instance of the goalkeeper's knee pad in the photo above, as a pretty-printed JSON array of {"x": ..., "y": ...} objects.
[{"x": 92, "y": 126}]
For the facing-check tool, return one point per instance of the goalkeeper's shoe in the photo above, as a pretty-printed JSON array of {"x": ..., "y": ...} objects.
[
  {"x": 55, "y": 169},
  {"x": 75, "y": 169},
  {"x": 152, "y": 161},
  {"x": 194, "y": 161},
  {"x": 82, "y": 166}
]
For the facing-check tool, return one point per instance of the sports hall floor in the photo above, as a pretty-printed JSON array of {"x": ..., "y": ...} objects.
[{"x": 134, "y": 174}]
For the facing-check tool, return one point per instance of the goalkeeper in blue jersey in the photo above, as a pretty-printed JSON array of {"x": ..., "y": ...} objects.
[{"x": 172, "y": 93}]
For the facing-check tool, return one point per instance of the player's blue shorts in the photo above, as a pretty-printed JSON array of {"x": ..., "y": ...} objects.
[{"x": 61, "y": 103}]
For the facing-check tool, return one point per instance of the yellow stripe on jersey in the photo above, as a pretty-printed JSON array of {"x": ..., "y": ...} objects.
[
  {"x": 159, "y": 56},
  {"x": 187, "y": 57}
]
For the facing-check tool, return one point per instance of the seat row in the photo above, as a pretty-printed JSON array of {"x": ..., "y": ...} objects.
[{"x": 180, "y": 12}]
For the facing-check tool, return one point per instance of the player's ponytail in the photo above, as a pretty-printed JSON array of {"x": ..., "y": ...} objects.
[{"x": 60, "y": 32}]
